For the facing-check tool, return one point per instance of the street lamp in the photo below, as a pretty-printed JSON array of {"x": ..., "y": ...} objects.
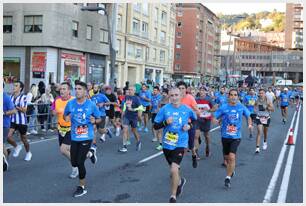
[{"x": 111, "y": 26}]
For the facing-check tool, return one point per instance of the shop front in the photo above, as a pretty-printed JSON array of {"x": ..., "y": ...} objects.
[
  {"x": 96, "y": 68},
  {"x": 11, "y": 72}
]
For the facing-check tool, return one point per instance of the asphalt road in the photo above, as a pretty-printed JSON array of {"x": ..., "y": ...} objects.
[{"x": 120, "y": 178}]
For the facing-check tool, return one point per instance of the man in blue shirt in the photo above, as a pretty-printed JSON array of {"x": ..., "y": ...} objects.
[
  {"x": 155, "y": 102},
  {"x": 221, "y": 97},
  {"x": 231, "y": 121},
  {"x": 145, "y": 100},
  {"x": 83, "y": 114},
  {"x": 8, "y": 109},
  {"x": 284, "y": 103},
  {"x": 174, "y": 117},
  {"x": 249, "y": 102}
]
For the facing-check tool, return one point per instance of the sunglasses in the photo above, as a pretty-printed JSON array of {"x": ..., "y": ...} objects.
[{"x": 176, "y": 95}]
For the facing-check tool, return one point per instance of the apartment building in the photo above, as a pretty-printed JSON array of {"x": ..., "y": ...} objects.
[{"x": 294, "y": 26}]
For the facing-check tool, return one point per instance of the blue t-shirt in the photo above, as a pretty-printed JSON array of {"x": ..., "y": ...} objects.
[
  {"x": 7, "y": 105},
  {"x": 173, "y": 134},
  {"x": 221, "y": 99},
  {"x": 135, "y": 102},
  {"x": 242, "y": 94},
  {"x": 231, "y": 119},
  {"x": 249, "y": 102},
  {"x": 146, "y": 94},
  {"x": 284, "y": 99},
  {"x": 156, "y": 99},
  {"x": 81, "y": 127},
  {"x": 100, "y": 98}
]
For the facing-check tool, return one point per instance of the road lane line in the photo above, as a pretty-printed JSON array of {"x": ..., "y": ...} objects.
[
  {"x": 282, "y": 195},
  {"x": 273, "y": 181},
  {"x": 161, "y": 152},
  {"x": 39, "y": 141}
]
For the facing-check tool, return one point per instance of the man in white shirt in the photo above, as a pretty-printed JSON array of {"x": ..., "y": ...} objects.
[{"x": 270, "y": 95}]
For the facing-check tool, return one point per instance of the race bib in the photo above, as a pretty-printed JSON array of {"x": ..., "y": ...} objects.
[
  {"x": 251, "y": 102},
  {"x": 171, "y": 138},
  {"x": 231, "y": 130},
  {"x": 285, "y": 100},
  {"x": 263, "y": 120},
  {"x": 82, "y": 130}
]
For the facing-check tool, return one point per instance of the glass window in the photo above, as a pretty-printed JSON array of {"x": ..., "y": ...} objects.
[
  {"x": 179, "y": 24},
  {"x": 118, "y": 46},
  {"x": 137, "y": 7},
  {"x": 102, "y": 5},
  {"x": 154, "y": 54},
  {"x": 103, "y": 36},
  {"x": 162, "y": 37},
  {"x": 155, "y": 34},
  {"x": 156, "y": 14},
  {"x": 138, "y": 53},
  {"x": 89, "y": 32},
  {"x": 131, "y": 50},
  {"x": 75, "y": 28},
  {"x": 177, "y": 55},
  {"x": 178, "y": 45},
  {"x": 32, "y": 24},
  {"x": 7, "y": 24},
  {"x": 180, "y": 13},
  {"x": 119, "y": 22},
  {"x": 145, "y": 9},
  {"x": 144, "y": 29},
  {"x": 136, "y": 26},
  {"x": 179, "y": 34},
  {"x": 162, "y": 55},
  {"x": 164, "y": 18},
  {"x": 177, "y": 67},
  {"x": 147, "y": 53}
]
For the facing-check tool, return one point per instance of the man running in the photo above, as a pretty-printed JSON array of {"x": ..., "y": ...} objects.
[
  {"x": 174, "y": 118},
  {"x": 284, "y": 103},
  {"x": 155, "y": 102},
  {"x": 145, "y": 100},
  {"x": 64, "y": 128},
  {"x": 221, "y": 97},
  {"x": 270, "y": 95},
  {"x": 231, "y": 121},
  {"x": 83, "y": 114},
  {"x": 263, "y": 107},
  {"x": 19, "y": 121},
  {"x": 249, "y": 101}
]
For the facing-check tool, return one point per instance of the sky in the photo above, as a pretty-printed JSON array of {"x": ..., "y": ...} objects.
[{"x": 238, "y": 8}]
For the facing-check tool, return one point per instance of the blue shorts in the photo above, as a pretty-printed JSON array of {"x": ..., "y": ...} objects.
[{"x": 131, "y": 121}]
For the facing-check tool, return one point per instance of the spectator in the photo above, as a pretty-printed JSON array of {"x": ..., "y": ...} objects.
[{"x": 32, "y": 96}]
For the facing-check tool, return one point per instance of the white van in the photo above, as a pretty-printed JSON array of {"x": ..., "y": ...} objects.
[{"x": 282, "y": 82}]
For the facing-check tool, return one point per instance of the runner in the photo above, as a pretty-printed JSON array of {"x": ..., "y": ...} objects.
[
  {"x": 165, "y": 97},
  {"x": 64, "y": 128},
  {"x": 174, "y": 118},
  {"x": 118, "y": 111},
  {"x": 263, "y": 107},
  {"x": 221, "y": 97},
  {"x": 270, "y": 95},
  {"x": 206, "y": 106},
  {"x": 231, "y": 122},
  {"x": 145, "y": 100},
  {"x": 110, "y": 108},
  {"x": 130, "y": 115},
  {"x": 19, "y": 121},
  {"x": 155, "y": 102},
  {"x": 83, "y": 114},
  {"x": 249, "y": 102},
  {"x": 277, "y": 95},
  {"x": 284, "y": 103}
]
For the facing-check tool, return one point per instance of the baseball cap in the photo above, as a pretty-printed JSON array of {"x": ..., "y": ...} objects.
[{"x": 286, "y": 88}]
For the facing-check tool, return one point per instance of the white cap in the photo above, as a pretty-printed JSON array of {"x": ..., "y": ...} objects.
[{"x": 286, "y": 88}]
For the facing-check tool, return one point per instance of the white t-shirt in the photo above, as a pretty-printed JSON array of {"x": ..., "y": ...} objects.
[{"x": 270, "y": 96}]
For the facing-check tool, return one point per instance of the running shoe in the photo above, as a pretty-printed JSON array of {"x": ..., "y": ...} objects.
[
  {"x": 159, "y": 147},
  {"x": 146, "y": 130},
  {"x": 80, "y": 191},
  {"x": 227, "y": 182},
  {"x": 138, "y": 146},
  {"x": 154, "y": 139},
  {"x": 28, "y": 156},
  {"x": 102, "y": 138},
  {"x": 139, "y": 129},
  {"x": 179, "y": 189},
  {"x": 123, "y": 149},
  {"x": 74, "y": 172},
  {"x": 33, "y": 132},
  {"x": 172, "y": 200},
  {"x": 257, "y": 150},
  {"x": 17, "y": 151},
  {"x": 194, "y": 161},
  {"x": 44, "y": 130},
  {"x": 93, "y": 157},
  {"x": 5, "y": 164},
  {"x": 264, "y": 146}
]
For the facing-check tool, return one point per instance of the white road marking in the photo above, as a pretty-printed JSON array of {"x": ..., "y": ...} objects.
[
  {"x": 273, "y": 181},
  {"x": 282, "y": 195},
  {"x": 35, "y": 142},
  {"x": 161, "y": 152}
]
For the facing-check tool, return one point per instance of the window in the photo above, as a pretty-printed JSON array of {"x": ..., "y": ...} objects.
[
  {"x": 144, "y": 29},
  {"x": 75, "y": 28},
  {"x": 7, "y": 24},
  {"x": 177, "y": 56},
  {"x": 155, "y": 34},
  {"x": 131, "y": 50},
  {"x": 138, "y": 52},
  {"x": 103, "y": 36},
  {"x": 156, "y": 14},
  {"x": 145, "y": 9},
  {"x": 164, "y": 18},
  {"x": 137, "y": 7},
  {"x": 154, "y": 54},
  {"x": 119, "y": 22},
  {"x": 89, "y": 32},
  {"x": 118, "y": 46},
  {"x": 179, "y": 24},
  {"x": 162, "y": 56},
  {"x": 147, "y": 53},
  {"x": 177, "y": 67},
  {"x": 102, "y": 12},
  {"x": 179, "y": 13},
  {"x": 162, "y": 37},
  {"x": 179, "y": 34},
  {"x": 32, "y": 24},
  {"x": 178, "y": 45},
  {"x": 136, "y": 26}
]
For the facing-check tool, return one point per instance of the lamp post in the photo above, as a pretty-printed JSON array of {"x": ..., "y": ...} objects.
[{"x": 111, "y": 15}]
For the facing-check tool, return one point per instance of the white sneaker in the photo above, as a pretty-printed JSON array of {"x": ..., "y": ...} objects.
[
  {"x": 28, "y": 133},
  {"x": 117, "y": 132},
  {"x": 264, "y": 146},
  {"x": 17, "y": 151},
  {"x": 257, "y": 150},
  {"x": 74, "y": 173},
  {"x": 34, "y": 132},
  {"x": 43, "y": 130},
  {"x": 28, "y": 156},
  {"x": 154, "y": 139},
  {"x": 102, "y": 138},
  {"x": 50, "y": 130}
]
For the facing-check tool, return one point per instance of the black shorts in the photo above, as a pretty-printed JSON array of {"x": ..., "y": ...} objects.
[
  {"x": 117, "y": 114},
  {"x": 64, "y": 140},
  {"x": 203, "y": 125},
  {"x": 284, "y": 107},
  {"x": 132, "y": 122},
  {"x": 265, "y": 125},
  {"x": 110, "y": 113},
  {"x": 175, "y": 155},
  {"x": 191, "y": 134},
  {"x": 153, "y": 117},
  {"x": 147, "y": 109},
  {"x": 253, "y": 117},
  {"x": 230, "y": 145},
  {"x": 101, "y": 125},
  {"x": 20, "y": 127}
]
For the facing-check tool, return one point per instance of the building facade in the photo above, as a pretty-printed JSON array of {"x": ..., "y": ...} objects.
[
  {"x": 197, "y": 44},
  {"x": 294, "y": 26},
  {"x": 145, "y": 42},
  {"x": 53, "y": 43}
]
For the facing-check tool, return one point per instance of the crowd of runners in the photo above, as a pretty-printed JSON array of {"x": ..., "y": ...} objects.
[{"x": 179, "y": 114}]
